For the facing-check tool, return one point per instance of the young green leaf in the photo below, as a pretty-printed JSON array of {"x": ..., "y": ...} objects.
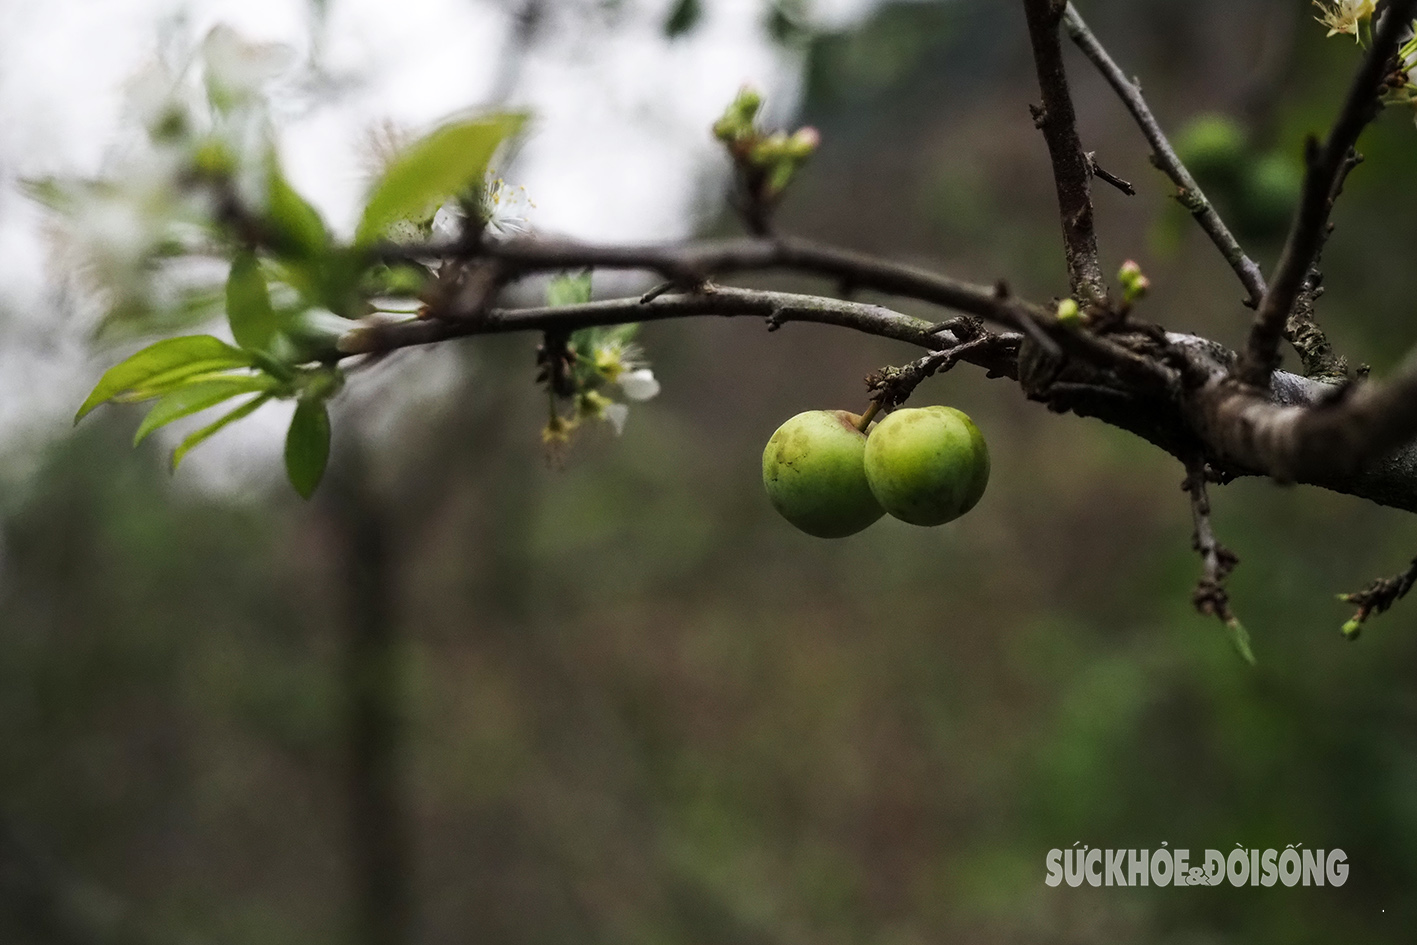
[
  {"x": 446, "y": 162},
  {"x": 296, "y": 227},
  {"x": 568, "y": 289},
  {"x": 206, "y": 432},
  {"x": 196, "y": 397},
  {"x": 248, "y": 304},
  {"x": 684, "y": 16},
  {"x": 166, "y": 359},
  {"x": 169, "y": 381},
  {"x": 1240, "y": 639},
  {"x": 307, "y": 446}
]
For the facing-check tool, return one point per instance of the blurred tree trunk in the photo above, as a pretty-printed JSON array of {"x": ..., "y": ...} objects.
[{"x": 379, "y": 816}]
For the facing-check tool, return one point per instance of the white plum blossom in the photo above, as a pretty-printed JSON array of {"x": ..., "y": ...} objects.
[
  {"x": 1344, "y": 16},
  {"x": 616, "y": 415},
  {"x": 639, "y": 384},
  {"x": 238, "y": 70}
]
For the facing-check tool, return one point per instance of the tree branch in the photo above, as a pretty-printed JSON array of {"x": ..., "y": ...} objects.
[
  {"x": 1325, "y": 165},
  {"x": 688, "y": 265},
  {"x": 1164, "y": 157},
  {"x": 1071, "y": 171},
  {"x": 777, "y": 308},
  {"x": 1302, "y": 430}
]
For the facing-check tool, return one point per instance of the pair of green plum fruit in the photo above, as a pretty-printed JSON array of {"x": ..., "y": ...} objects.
[{"x": 923, "y": 465}]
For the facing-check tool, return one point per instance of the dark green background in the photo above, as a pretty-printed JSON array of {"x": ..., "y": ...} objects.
[{"x": 642, "y": 709}]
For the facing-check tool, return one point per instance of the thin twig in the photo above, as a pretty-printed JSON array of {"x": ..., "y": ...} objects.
[
  {"x": 693, "y": 263},
  {"x": 1377, "y": 597},
  {"x": 892, "y": 386},
  {"x": 1217, "y": 561},
  {"x": 1325, "y": 164},
  {"x": 1071, "y": 173},
  {"x": 1163, "y": 156},
  {"x": 777, "y": 307}
]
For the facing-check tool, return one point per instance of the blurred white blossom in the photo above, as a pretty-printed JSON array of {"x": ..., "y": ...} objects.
[
  {"x": 237, "y": 70},
  {"x": 639, "y": 384},
  {"x": 616, "y": 415}
]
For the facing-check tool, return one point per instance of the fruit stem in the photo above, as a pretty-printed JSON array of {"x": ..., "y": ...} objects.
[{"x": 868, "y": 416}]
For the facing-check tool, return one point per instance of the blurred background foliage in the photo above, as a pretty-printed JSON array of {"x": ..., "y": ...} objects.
[{"x": 639, "y": 708}]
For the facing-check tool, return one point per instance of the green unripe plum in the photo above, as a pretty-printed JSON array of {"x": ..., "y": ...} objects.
[
  {"x": 1272, "y": 191},
  {"x": 815, "y": 476},
  {"x": 927, "y": 465},
  {"x": 1214, "y": 149}
]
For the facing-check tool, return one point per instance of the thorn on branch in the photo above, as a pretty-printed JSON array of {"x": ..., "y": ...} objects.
[
  {"x": 1102, "y": 173},
  {"x": 656, "y": 292},
  {"x": 1210, "y": 597},
  {"x": 691, "y": 286},
  {"x": 1377, "y": 597}
]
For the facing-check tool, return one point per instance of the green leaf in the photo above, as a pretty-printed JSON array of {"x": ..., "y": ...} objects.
[
  {"x": 683, "y": 18},
  {"x": 167, "y": 360},
  {"x": 206, "y": 432},
  {"x": 307, "y": 446},
  {"x": 1240, "y": 639},
  {"x": 568, "y": 289},
  {"x": 198, "y": 396},
  {"x": 446, "y": 162},
  {"x": 248, "y": 304},
  {"x": 297, "y": 228},
  {"x": 168, "y": 381}
]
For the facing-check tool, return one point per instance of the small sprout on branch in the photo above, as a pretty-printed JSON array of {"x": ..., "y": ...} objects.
[
  {"x": 1377, "y": 597},
  {"x": 1134, "y": 283},
  {"x": 764, "y": 162},
  {"x": 1070, "y": 314},
  {"x": 738, "y": 121}
]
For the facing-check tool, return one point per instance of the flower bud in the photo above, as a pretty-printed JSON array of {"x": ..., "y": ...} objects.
[
  {"x": 803, "y": 143},
  {"x": 1069, "y": 315}
]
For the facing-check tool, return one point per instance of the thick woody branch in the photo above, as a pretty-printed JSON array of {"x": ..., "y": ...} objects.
[
  {"x": 1300, "y": 430},
  {"x": 1326, "y": 164},
  {"x": 1163, "y": 156},
  {"x": 1072, "y": 172}
]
